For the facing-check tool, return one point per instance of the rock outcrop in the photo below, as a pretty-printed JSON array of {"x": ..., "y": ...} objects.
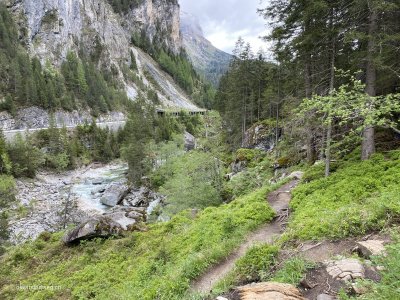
[
  {"x": 99, "y": 226},
  {"x": 261, "y": 136},
  {"x": 35, "y": 117},
  {"x": 55, "y": 27},
  {"x": 269, "y": 290},
  {"x": 371, "y": 247},
  {"x": 52, "y": 28}
]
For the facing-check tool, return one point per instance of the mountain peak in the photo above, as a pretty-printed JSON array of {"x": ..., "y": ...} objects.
[{"x": 208, "y": 61}]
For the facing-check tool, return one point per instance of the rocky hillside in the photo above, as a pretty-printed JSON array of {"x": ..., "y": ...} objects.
[
  {"x": 102, "y": 31},
  {"x": 209, "y": 61}
]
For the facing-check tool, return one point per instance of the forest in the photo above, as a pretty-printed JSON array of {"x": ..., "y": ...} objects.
[{"x": 330, "y": 60}]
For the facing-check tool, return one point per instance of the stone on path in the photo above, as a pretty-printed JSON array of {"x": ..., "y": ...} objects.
[
  {"x": 346, "y": 269},
  {"x": 371, "y": 247},
  {"x": 325, "y": 297},
  {"x": 269, "y": 290}
]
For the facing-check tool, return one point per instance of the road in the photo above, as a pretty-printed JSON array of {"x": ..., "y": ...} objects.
[{"x": 10, "y": 134}]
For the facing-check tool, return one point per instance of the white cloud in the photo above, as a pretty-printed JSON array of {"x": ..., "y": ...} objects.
[{"x": 224, "y": 21}]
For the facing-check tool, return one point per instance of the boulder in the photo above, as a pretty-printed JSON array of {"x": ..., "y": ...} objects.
[
  {"x": 126, "y": 217},
  {"x": 114, "y": 193},
  {"x": 269, "y": 290},
  {"x": 190, "y": 141},
  {"x": 346, "y": 269},
  {"x": 296, "y": 175},
  {"x": 371, "y": 247},
  {"x": 99, "y": 226}
]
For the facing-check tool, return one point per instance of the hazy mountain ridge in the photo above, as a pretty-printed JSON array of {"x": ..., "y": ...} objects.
[{"x": 209, "y": 61}]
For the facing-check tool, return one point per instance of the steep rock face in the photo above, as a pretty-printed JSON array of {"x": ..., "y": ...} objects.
[
  {"x": 51, "y": 28},
  {"x": 209, "y": 61},
  {"x": 160, "y": 20},
  {"x": 55, "y": 27}
]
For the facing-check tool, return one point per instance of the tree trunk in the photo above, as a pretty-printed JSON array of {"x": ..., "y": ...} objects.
[
  {"x": 311, "y": 151},
  {"x": 368, "y": 143},
  {"x": 331, "y": 88}
]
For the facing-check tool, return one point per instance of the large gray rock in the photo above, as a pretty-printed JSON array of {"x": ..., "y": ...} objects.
[
  {"x": 114, "y": 193},
  {"x": 126, "y": 217},
  {"x": 99, "y": 226},
  {"x": 190, "y": 141}
]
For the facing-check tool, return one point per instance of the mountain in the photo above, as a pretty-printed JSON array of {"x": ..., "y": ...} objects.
[
  {"x": 209, "y": 61},
  {"x": 114, "y": 42}
]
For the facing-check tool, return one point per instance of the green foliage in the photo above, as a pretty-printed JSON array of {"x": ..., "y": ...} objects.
[
  {"x": 292, "y": 271},
  {"x": 248, "y": 155},
  {"x": 156, "y": 264},
  {"x": 193, "y": 180},
  {"x": 256, "y": 264},
  {"x": 357, "y": 198},
  {"x": 25, "y": 157},
  {"x": 123, "y": 6},
  {"x": 25, "y": 82},
  {"x": 50, "y": 17},
  {"x": 7, "y": 198},
  {"x": 389, "y": 285},
  {"x": 253, "y": 177},
  {"x": 178, "y": 66}
]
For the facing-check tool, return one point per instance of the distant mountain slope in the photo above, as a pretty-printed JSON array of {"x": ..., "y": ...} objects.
[{"x": 209, "y": 61}]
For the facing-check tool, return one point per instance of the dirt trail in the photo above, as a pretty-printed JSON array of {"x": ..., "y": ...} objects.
[{"x": 279, "y": 201}]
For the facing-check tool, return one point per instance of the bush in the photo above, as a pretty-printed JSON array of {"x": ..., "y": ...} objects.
[
  {"x": 256, "y": 264},
  {"x": 292, "y": 271},
  {"x": 357, "y": 198},
  {"x": 389, "y": 286},
  {"x": 248, "y": 154}
]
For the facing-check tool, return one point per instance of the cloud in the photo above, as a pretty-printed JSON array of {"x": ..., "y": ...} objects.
[{"x": 224, "y": 21}]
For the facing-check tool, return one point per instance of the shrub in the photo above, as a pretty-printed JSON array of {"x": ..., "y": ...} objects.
[
  {"x": 256, "y": 264},
  {"x": 292, "y": 271},
  {"x": 357, "y": 198}
]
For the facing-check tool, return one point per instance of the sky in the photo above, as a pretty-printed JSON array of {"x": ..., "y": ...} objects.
[{"x": 223, "y": 21}]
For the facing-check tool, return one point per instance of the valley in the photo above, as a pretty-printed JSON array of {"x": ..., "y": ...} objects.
[{"x": 139, "y": 161}]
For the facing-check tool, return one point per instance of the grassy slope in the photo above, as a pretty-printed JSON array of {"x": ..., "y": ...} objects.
[
  {"x": 358, "y": 197},
  {"x": 157, "y": 264}
]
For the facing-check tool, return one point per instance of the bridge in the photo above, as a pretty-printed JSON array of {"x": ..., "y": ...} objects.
[{"x": 176, "y": 113}]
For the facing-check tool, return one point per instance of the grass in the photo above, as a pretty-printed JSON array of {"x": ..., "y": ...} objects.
[
  {"x": 157, "y": 264},
  {"x": 389, "y": 286},
  {"x": 358, "y": 197},
  {"x": 292, "y": 271}
]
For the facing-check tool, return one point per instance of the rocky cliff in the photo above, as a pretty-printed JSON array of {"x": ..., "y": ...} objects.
[
  {"x": 49, "y": 29},
  {"x": 209, "y": 61}
]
